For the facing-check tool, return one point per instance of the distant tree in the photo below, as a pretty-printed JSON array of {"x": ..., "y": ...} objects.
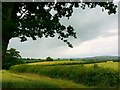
[
  {"x": 39, "y": 59},
  {"x": 49, "y": 59},
  {"x": 34, "y": 19},
  {"x": 28, "y": 58},
  {"x": 71, "y": 59},
  {"x": 58, "y": 58}
]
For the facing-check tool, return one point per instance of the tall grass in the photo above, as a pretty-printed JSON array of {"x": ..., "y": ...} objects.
[
  {"x": 27, "y": 80},
  {"x": 18, "y": 81},
  {"x": 92, "y": 76}
]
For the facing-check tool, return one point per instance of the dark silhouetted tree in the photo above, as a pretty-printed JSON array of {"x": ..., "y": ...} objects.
[
  {"x": 12, "y": 57},
  {"x": 33, "y": 19},
  {"x": 49, "y": 59},
  {"x": 12, "y": 52}
]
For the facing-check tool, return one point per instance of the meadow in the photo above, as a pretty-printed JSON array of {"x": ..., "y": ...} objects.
[
  {"x": 63, "y": 74},
  {"x": 28, "y": 80}
]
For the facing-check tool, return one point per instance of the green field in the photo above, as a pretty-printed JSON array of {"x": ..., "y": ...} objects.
[
  {"x": 62, "y": 74},
  {"x": 108, "y": 64},
  {"x": 28, "y": 80}
]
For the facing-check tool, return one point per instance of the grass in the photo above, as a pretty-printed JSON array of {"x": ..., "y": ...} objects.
[
  {"x": 91, "y": 76},
  {"x": 62, "y": 74},
  {"x": 108, "y": 64},
  {"x": 27, "y": 80}
]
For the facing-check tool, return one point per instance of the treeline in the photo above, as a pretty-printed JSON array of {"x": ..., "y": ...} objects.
[
  {"x": 31, "y": 60},
  {"x": 12, "y": 58},
  {"x": 113, "y": 58}
]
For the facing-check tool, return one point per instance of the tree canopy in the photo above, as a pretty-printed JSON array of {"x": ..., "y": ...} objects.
[
  {"x": 13, "y": 53},
  {"x": 34, "y": 19},
  {"x": 12, "y": 57},
  {"x": 49, "y": 59}
]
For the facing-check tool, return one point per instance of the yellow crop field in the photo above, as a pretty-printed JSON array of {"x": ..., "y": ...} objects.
[
  {"x": 54, "y": 62},
  {"x": 108, "y": 64}
]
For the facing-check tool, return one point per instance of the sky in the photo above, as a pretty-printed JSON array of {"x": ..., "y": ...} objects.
[{"x": 97, "y": 35}]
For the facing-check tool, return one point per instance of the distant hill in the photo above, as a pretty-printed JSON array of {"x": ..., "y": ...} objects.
[
  {"x": 103, "y": 58},
  {"x": 95, "y": 58}
]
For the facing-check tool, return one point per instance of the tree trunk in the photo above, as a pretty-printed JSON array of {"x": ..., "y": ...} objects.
[
  {"x": 6, "y": 26},
  {"x": 5, "y": 42}
]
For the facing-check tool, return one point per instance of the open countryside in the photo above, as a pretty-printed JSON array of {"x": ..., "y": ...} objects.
[
  {"x": 62, "y": 74},
  {"x": 59, "y": 45}
]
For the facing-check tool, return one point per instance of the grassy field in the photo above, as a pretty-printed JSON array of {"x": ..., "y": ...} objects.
[
  {"x": 74, "y": 62},
  {"x": 87, "y": 74},
  {"x": 62, "y": 74},
  {"x": 28, "y": 80},
  {"x": 108, "y": 64}
]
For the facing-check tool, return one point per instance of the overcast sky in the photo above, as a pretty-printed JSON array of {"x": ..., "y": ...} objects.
[{"x": 97, "y": 35}]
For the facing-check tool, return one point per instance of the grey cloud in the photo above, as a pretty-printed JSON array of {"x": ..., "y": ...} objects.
[{"x": 89, "y": 24}]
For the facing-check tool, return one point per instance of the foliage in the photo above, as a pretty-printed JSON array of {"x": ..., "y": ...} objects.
[
  {"x": 12, "y": 58},
  {"x": 12, "y": 52},
  {"x": 91, "y": 76},
  {"x": 10, "y": 61},
  {"x": 34, "y": 20},
  {"x": 49, "y": 59}
]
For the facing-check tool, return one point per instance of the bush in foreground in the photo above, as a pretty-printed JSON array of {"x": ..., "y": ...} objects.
[
  {"x": 10, "y": 61},
  {"x": 12, "y": 58}
]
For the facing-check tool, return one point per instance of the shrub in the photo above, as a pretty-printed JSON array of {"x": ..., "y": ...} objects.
[
  {"x": 10, "y": 61},
  {"x": 12, "y": 57}
]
